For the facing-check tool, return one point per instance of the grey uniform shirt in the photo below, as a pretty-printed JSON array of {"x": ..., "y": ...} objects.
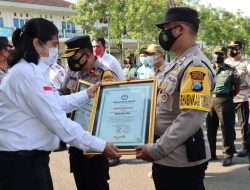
[
  {"x": 243, "y": 68},
  {"x": 3, "y": 73},
  {"x": 174, "y": 125},
  {"x": 158, "y": 73}
]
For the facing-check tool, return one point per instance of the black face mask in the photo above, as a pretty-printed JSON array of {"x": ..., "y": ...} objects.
[
  {"x": 234, "y": 52},
  {"x": 167, "y": 39},
  {"x": 75, "y": 65},
  {"x": 219, "y": 59}
]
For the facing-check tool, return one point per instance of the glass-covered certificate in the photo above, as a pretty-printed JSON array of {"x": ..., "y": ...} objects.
[
  {"x": 124, "y": 113},
  {"x": 82, "y": 115}
]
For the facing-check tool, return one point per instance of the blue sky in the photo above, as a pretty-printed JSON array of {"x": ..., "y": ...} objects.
[{"x": 230, "y": 5}]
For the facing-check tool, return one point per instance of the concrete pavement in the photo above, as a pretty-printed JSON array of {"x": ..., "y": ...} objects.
[{"x": 131, "y": 174}]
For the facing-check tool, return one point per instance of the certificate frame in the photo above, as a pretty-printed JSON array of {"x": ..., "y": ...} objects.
[
  {"x": 83, "y": 114},
  {"x": 140, "y": 94}
]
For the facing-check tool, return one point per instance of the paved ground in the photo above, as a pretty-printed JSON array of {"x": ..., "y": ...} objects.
[{"x": 131, "y": 174}]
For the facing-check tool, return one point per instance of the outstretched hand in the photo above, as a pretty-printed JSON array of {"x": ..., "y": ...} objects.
[
  {"x": 111, "y": 151},
  {"x": 142, "y": 153}
]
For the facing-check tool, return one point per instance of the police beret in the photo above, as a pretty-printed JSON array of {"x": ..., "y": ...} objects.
[
  {"x": 236, "y": 43},
  {"x": 76, "y": 43},
  {"x": 184, "y": 14}
]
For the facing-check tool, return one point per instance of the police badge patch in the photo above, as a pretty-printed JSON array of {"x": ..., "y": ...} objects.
[{"x": 197, "y": 80}]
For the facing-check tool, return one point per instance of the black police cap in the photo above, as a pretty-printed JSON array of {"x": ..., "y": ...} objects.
[
  {"x": 184, "y": 14},
  {"x": 75, "y": 44}
]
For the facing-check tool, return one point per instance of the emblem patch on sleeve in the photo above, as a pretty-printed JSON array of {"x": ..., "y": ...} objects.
[{"x": 195, "y": 89}]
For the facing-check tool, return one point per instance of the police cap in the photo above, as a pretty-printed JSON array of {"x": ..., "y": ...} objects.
[
  {"x": 221, "y": 50},
  {"x": 73, "y": 45},
  {"x": 183, "y": 14},
  {"x": 236, "y": 44}
]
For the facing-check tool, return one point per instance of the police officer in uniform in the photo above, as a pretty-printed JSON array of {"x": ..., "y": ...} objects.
[
  {"x": 155, "y": 56},
  {"x": 181, "y": 153},
  {"x": 5, "y": 49},
  {"x": 222, "y": 107},
  {"x": 237, "y": 61},
  {"x": 90, "y": 173}
]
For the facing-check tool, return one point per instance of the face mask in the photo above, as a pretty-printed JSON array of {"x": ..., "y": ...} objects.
[
  {"x": 166, "y": 38},
  {"x": 233, "y": 52},
  {"x": 75, "y": 65},
  {"x": 219, "y": 59},
  {"x": 144, "y": 60},
  {"x": 152, "y": 59},
  {"x": 97, "y": 51},
  {"x": 53, "y": 55}
]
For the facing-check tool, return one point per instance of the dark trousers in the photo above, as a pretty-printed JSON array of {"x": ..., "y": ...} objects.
[
  {"x": 222, "y": 110},
  {"x": 89, "y": 173},
  {"x": 24, "y": 172},
  {"x": 175, "y": 178},
  {"x": 242, "y": 110}
]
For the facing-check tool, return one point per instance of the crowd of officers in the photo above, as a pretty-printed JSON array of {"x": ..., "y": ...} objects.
[{"x": 33, "y": 107}]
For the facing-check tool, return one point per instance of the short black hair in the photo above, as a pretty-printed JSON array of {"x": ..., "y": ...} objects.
[
  {"x": 100, "y": 39},
  {"x": 4, "y": 42}
]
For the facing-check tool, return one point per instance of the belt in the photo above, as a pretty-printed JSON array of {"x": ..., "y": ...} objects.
[
  {"x": 36, "y": 153},
  {"x": 220, "y": 95}
]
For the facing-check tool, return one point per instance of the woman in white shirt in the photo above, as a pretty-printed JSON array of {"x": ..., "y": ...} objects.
[{"x": 33, "y": 115}]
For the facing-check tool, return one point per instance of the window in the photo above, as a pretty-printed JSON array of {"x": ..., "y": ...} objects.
[
  {"x": 14, "y": 13},
  {"x": 45, "y": 16},
  {"x": 69, "y": 27},
  {"x": 27, "y": 15},
  {"x": 21, "y": 14},
  {"x": 51, "y": 17},
  {"x": 63, "y": 17},
  {"x": 0, "y": 13},
  {"x": 1, "y": 22},
  {"x": 18, "y": 23}
]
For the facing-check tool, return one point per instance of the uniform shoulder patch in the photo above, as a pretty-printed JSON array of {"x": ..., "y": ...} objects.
[{"x": 195, "y": 89}]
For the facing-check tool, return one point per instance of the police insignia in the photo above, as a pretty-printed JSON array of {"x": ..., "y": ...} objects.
[
  {"x": 164, "y": 97},
  {"x": 97, "y": 73},
  {"x": 77, "y": 66},
  {"x": 197, "y": 78},
  {"x": 163, "y": 86}
]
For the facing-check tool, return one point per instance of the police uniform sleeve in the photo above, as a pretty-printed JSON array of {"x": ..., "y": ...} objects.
[
  {"x": 43, "y": 103},
  {"x": 194, "y": 104}
]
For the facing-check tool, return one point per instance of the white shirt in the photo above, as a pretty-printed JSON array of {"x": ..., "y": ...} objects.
[
  {"x": 113, "y": 64},
  {"x": 57, "y": 75},
  {"x": 33, "y": 116},
  {"x": 143, "y": 72}
]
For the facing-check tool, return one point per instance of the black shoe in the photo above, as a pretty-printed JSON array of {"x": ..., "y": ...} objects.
[
  {"x": 61, "y": 148},
  {"x": 114, "y": 162},
  {"x": 213, "y": 156},
  {"x": 226, "y": 162},
  {"x": 242, "y": 153}
]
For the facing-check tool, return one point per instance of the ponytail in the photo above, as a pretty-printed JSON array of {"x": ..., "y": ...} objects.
[{"x": 22, "y": 39}]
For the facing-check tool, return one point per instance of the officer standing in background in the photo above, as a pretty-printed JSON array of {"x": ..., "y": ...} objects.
[
  {"x": 90, "y": 173},
  {"x": 131, "y": 68},
  {"x": 181, "y": 153},
  {"x": 5, "y": 49},
  {"x": 237, "y": 61},
  {"x": 222, "y": 108},
  {"x": 99, "y": 47},
  {"x": 156, "y": 57},
  {"x": 144, "y": 70}
]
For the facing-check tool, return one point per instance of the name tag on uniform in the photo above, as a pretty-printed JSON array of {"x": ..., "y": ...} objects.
[{"x": 47, "y": 88}]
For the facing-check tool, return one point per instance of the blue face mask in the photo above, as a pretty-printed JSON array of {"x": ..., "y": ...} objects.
[{"x": 144, "y": 60}]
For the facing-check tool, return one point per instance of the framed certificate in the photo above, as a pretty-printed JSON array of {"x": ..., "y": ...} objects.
[
  {"x": 124, "y": 113},
  {"x": 82, "y": 115}
]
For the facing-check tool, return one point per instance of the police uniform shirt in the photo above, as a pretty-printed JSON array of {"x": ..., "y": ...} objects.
[
  {"x": 57, "y": 75},
  {"x": 243, "y": 68},
  {"x": 158, "y": 73},
  {"x": 112, "y": 64},
  {"x": 182, "y": 104},
  {"x": 94, "y": 76},
  {"x": 143, "y": 72},
  {"x": 226, "y": 77},
  {"x": 33, "y": 116}
]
